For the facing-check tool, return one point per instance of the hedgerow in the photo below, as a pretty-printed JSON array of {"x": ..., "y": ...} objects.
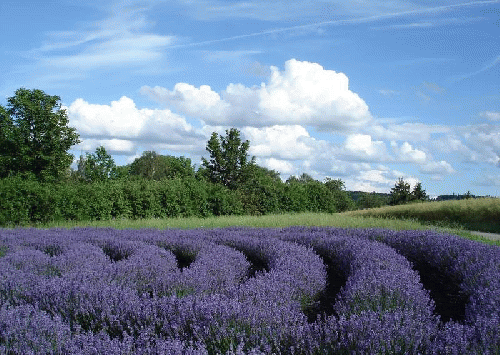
[{"x": 29, "y": 202}]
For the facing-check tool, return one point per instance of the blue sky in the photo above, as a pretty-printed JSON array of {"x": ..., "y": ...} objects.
[{"x": 364, "y": 91}]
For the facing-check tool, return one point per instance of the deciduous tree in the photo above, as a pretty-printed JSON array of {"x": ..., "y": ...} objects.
[
  {"x": 35, "y": 136},
  {"x": 98, "y": 166},
  {"x": 154, "y": 166},
  {"x": 342, "y": 199}
]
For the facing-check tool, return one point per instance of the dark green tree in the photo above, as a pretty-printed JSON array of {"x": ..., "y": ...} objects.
[
  {"x": 307, "y": 194},
  {"x": 98, "y": 166},
  {"x": 228, "y": 159},
  {"x": 342, "y": 200},
  {"x": 371, "y": 200},
  {"x": 303, "y": 179},
  {"x": 418, "y": 193},
  {"x": 261, "y": 190},
  {"x": 153, "y": 166},
  {"x": 35, "y": 137},
  {"x": 120, "y": 172},
  {"x": 334, "y": 184},
  {"x": 7, "y": 143},
  {"x": 400, "y": 193}
]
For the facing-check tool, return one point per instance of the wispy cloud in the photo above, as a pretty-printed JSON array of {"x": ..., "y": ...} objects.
[
  {"x": 285, "y": 10},
  {"x": 343, "y": 22},
  {"x": 430, "y": 23},
  {"x": 114, "y": 42},
  {"x": 488, "y": 66},
  {"x": 386, "y": 92},
  {"x": 239, "y": 61},
  {"x": 433, "y": 87},
  {"x": 427, "y": 91}
]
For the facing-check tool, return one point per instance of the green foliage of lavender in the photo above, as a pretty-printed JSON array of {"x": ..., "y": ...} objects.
[{"x": 247, "y": 291}]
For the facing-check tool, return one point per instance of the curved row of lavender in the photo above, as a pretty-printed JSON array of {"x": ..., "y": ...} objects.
[
  {"x": 474, "y": 269},
  {"x": 245, "y": 291}
]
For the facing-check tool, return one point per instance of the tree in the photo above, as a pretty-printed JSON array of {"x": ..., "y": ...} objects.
[
  {"x": 228, "y": 159},
  {"x": 261, "y": 190},
  {"x": 302, "y": 179},
  {"x": 400, "y": 193},
  {"x": 418, "y": 193},
  {"x": 7, "y": 143},
  {"x": 98, "y": 166},
  {"x": 371, "y": 200},
  {"x": 146, "y": 166},
  {"x": 334, "y": 185},
  {"x": 342, "y": 199},
  {"x": 35, "y": 137},
  {"x": 154, "y": 166}
]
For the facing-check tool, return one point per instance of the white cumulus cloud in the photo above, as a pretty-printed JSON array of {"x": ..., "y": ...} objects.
[
  {"x": 362, "y": 147},
  {"x": 119, "y": 119},
  {"x": 113, "y": 146},
  {"x": 284, "y": 142},
  {"x": 375, "y": 176},
  {"x": 303, "y": 93},
  {"x": 406, "y": 153},
  {"x": 483, "y": 141},
  {"x": 122, "y": 126},
  {"x": 282, "y": 166},
  {"x": 437, "y": 168},
  {"x": 409, "y": 131}
]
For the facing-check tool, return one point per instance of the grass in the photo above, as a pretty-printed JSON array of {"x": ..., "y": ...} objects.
[
  {"x": 473, "y": 214},
  {"x": 342, "y": 220},
  {"x": 269, "y": 221}
]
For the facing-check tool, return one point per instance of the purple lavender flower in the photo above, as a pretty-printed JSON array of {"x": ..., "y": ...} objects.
[{"x": 295, "y": 290}]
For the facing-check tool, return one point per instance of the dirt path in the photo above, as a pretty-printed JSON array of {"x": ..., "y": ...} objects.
[{"x": 492, "y": 236}]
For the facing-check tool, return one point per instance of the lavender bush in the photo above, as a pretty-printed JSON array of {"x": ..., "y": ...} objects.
[{"x": 246, "y": 291}]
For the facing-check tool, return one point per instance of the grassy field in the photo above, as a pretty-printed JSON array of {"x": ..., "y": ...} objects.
[
  {"x": 473, "y": 214},
  {"x": 342, "y": 220}
]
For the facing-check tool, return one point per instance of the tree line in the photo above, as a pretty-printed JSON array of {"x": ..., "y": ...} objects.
[{"x": 37, "y": 183}]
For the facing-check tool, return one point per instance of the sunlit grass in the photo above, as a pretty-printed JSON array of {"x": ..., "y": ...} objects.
[
  {"x": 274, "y": 220},
  {"x": 473, "y": 214}
]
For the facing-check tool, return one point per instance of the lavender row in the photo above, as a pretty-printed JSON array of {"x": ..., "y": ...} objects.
[
  {"x": 299, "y": 269},
  {"x": 454, "y": 268},
  {"x": 382, "y": 308},
  {"x": 474, "y": 267}
]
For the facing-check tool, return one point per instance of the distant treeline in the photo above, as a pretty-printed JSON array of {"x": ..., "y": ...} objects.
[{"x": 458, "y": 197}]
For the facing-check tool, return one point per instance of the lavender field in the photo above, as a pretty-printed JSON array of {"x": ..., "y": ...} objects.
[{"x": 295, "y": 290}]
